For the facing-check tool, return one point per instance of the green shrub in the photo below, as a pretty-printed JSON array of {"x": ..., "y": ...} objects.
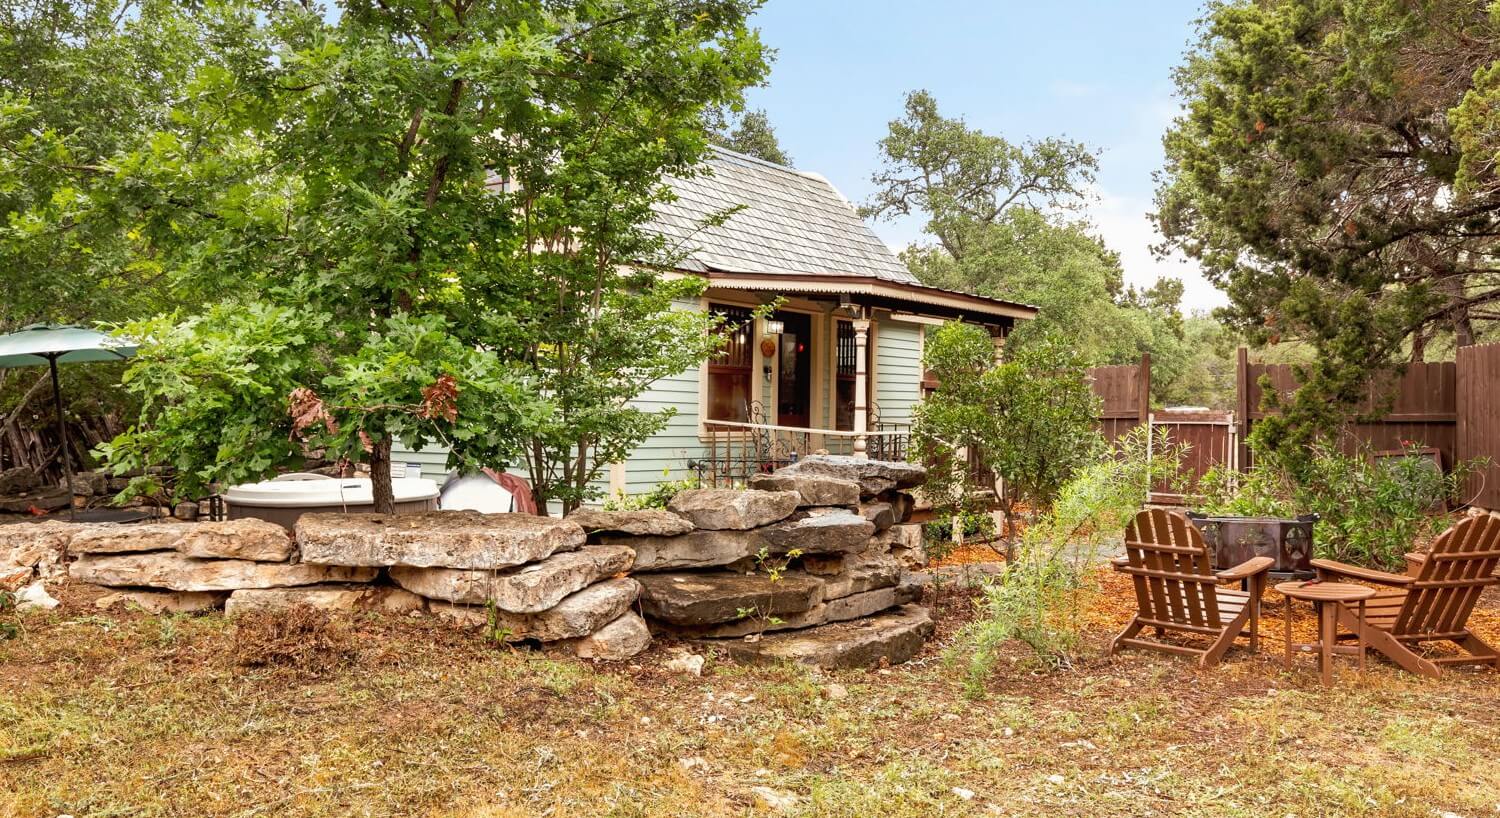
[
  {"x": 1032, "y": 419},
  {"x": 1371, "y": 509},
  {"x": 1038, "y": 598},
  {"x": 657, "y": 497}
]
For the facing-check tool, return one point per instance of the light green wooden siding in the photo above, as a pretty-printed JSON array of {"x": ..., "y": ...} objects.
[
  {"x": 664, "y": 455},
  {"x": 898, "y": 370},
  {"x": 433, "y": 459}
]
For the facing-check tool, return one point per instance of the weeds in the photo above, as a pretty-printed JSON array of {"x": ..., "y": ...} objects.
[
  {"x": 10, "y": 621},
  {"x": 774, "y": 567},
  {"x": 1039, "y": 597},
  {"x": 302, "y": 638}
]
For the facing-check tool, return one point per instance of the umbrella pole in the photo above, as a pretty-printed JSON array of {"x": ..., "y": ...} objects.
[{"x": 62, "y": 431}]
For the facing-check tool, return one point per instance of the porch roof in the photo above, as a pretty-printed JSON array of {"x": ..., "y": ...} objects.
[{"x": 794, "y": 233}]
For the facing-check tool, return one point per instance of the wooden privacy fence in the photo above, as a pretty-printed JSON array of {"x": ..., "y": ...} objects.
[
  {"x": 1418, "y": 406},
  {"x": 1448, "y": 406},
  {"x": 1477, "y": 428}
]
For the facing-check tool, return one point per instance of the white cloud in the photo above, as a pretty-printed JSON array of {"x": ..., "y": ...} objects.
[{"x": 1122, "y": 222}]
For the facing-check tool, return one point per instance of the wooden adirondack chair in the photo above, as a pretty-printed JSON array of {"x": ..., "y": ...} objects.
[
  {"x": 1433, "y": 604},
  {"x": 1176, "y": 588}
]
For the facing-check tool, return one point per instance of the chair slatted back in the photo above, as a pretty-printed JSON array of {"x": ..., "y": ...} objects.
[
  {"x": 1460, "y": 565},
  {"x": 1174, "y": 578}
]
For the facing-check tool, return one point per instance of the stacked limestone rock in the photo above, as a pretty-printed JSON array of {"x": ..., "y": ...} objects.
[
  {"x": 235, "y": 564},
  {"x": 528, "y": 578},
  {"x": 532, "y": 578},
  {"x": 807, "y": 564}
]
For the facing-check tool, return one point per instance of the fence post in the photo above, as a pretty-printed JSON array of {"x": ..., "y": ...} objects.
[
  {"x": 1143, "y": 381},
  {"x": 1242, "y": 408}
]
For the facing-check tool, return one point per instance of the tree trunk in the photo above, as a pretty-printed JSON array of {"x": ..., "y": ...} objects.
[{"x": 380, "y": 475}]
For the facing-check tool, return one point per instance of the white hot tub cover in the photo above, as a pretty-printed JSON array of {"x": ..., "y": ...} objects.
[{"x": 331, "y": 492}]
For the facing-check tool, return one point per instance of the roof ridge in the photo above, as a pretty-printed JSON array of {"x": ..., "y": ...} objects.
[{"x": 756, "y": 160}]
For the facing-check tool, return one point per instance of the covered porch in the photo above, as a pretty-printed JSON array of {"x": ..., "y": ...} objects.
[{"x": 835, "y": 369}]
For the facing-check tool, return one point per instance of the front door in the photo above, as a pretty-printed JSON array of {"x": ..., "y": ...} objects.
[{"x": 794, "y": 370}]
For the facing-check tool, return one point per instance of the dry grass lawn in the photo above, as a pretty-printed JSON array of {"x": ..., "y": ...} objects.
[{"x": 129, "y": 715}]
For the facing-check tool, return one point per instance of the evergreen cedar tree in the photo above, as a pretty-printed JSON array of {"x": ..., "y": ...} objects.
[{"x": 1334, "y": 171}]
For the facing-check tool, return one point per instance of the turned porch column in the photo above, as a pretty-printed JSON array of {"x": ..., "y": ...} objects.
[{"x": 861, "y": 387}]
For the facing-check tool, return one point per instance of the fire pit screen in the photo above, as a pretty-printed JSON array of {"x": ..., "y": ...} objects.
[{"x": 1232, "y": 540}]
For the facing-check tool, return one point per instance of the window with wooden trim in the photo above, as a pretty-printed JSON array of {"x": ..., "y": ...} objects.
[{"x": 730, "y": 373}]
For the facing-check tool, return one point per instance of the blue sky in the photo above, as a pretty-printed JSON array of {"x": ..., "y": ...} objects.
[{"x": 1098, "y": 72}]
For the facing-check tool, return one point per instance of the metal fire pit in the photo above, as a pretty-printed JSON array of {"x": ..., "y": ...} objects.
[{"x": 1232, "y": 540}]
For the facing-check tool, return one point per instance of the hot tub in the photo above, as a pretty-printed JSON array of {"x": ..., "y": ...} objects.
[{"x": 290, "y": 496}]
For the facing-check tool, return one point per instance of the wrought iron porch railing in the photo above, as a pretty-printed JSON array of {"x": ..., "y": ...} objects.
[{"x": 734, "y": 451}]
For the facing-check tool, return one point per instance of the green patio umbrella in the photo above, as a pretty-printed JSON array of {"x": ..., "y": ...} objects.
[{"x": 52, "y": 344}]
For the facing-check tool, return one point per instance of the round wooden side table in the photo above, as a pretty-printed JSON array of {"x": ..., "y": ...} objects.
[{"x": 1326, "y": 598}]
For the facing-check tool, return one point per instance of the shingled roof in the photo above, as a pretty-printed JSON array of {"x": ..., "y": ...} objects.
[{"x": 794, "y": 223}]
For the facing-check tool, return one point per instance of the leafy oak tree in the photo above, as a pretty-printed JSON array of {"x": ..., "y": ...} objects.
[
  {"x": 751, "y": 133},
  {"x": 961, "y": 178},
  {"x": 426, "y": 209},
  {"x": 1002, "y": 218},
  {"x": 80, "y": 82},
  {"x": 1333, "y": 171}
]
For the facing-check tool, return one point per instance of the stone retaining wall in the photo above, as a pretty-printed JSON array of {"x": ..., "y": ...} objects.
[{"x": 809, "y": 564}]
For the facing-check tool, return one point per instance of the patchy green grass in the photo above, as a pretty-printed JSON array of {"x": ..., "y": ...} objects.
[{"x": 137, "y": 716}]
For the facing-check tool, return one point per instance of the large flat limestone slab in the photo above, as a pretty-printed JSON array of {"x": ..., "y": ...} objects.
[
  {"x": 894, "y": 637},
  {"x": 814, "y": 489},
  {"x": 529, "y": 589},
  {"x": 873, "y": 476},
  {"x": 820, "y": 531},
  {"x": 853, "y": 606},
  {"x": 577, "y": 616},
  {"x": 862, "y": 572},
  {"x": 176, "y": 572},
  {"x": 733, "y": 509},
  {"x": 700, "y": 549},
  {"x": 621, "y": 639},
  {"x": 434, "y": 539},
  {"x": 655, "y": 522},
  {"x": 163, "y": 602},
  {"x": 247, "y": 539},
  {"x": 725, "y": 596},
  {"x": 115, "y": 538},
  {"x": 325, "y": 598}
]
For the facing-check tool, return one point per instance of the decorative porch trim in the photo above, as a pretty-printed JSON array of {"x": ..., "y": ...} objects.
[{"x": 874, "y": 287}]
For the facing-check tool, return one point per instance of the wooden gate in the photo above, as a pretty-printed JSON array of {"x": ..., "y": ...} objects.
[
  {"x": 1210, "y": 440},
  {"x": 1479, "y": 419}
]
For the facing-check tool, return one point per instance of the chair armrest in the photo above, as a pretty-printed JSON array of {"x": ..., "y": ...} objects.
[
  {"x": 1343, "y": 569},
  {"x": 1246, "y": 569},
  {"x": 1120, "y": 562}
]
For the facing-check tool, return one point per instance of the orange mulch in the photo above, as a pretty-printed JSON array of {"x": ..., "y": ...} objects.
[
  {"x": 1112, "y": 602},
  {"x": 969, "y": 554},
  {"x": 1113, "y": 605}
]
